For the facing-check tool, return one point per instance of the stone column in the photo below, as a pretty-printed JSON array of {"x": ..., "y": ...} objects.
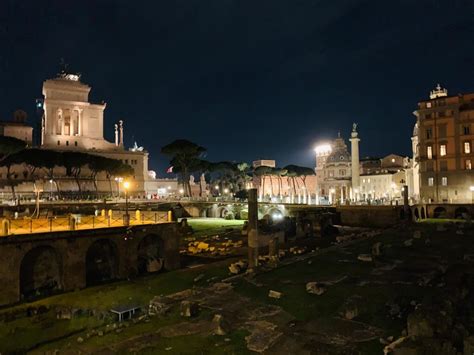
[
  {"x": 121, "y": 133},
  {"x": 116, "y": 135},
  {"x": 355, "y": 161},
  {"x": 252, "y": 231}
]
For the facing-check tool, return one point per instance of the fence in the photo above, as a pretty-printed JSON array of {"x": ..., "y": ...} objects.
[{"x": 81, "y": 222}]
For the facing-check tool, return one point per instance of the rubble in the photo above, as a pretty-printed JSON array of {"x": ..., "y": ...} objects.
[
  {"x": 274, "y": 294},
  {"x": 238, "y": 267},
  {"x": 219, "y": 326},
  {"x": 377, "y": 249},
  {"x": 365, "y": 257},
  {"x": 159, "y": 305},
  {"x": 315, "y": 288},
  {"x": 189, "y": 309}
]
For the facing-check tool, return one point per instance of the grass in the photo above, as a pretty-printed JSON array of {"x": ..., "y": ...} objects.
[
  {"x": 31, "y": 331},
  {"x": 49, "y": 333},
  {"x": 209, "y": 226}
]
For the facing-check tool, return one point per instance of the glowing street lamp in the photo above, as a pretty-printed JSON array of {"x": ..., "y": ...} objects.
[
  {"x": 226, "y": 191},
  {"x": 126, "y": 186}
]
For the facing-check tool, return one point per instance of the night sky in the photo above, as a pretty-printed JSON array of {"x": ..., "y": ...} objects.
[{"x": 246, "y": 79}]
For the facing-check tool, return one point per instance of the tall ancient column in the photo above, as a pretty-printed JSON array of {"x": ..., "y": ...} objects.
[
  {"x": 121, "y": 133},
  {"x": 116, "y": 135},
  {"x": 355, "y": 161}
]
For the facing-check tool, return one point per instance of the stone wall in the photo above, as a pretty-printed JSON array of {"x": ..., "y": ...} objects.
[
  {"x": 23, "y": 261},
  {"x": 370, "y": 216}
]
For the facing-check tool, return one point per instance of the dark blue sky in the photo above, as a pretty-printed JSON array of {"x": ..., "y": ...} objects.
[{"x": 247, "y": 79}]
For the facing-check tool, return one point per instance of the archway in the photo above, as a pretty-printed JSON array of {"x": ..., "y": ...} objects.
[
  {"x": 275, "y": 214},
  {"x": 223, "y": 212},
  {"x": 423, "y": 214},
  {"x": 101, "y": 262},
  {"x": 40, "y": 273},
  {"x": 439, "y": 212},
  {"x": 460, "y": 212},
  {"x": 416, "y": 213},
  {"x": 150, "y": 254}
]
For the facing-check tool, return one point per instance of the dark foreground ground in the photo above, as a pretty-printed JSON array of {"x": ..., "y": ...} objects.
[{"x": 420, "y": 286}]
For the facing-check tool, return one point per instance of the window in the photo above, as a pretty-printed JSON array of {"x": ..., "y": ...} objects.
[
  {"x": 428, "y": 116},
  {"x": 444, "y": 181},
  {"x": 429, "y": 133},
  {"x": 442, "y": 150},
  {"x": 75, "y": 143},
  {"x": 468, "y": 164},
  {"x": 466, "y": 130},
  {"x": 342, "y": 172},
  {"x": 59, "y": 142},
  {"x": 428, "y": 105},
  {"x": 430, "y": 181},
  {"x": 429, "y": 152},
  {"x": 67, "y": 142},
  {"x": 443, "y": 165},
  {"x": 467, "y": 147}
]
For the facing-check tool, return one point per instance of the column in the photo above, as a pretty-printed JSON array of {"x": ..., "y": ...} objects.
[{"x": 355, "y": 161}]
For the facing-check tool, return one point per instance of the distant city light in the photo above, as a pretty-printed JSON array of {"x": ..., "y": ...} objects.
[
  {"x": 226, "y": 191},
  {"x": 181, "y": 191},
  {"x": 471, "y": 188},
  {"x": 323, "y": 149}
]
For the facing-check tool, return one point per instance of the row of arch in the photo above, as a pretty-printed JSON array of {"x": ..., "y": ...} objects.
[
  {"x": 41, "y": 269},
  {"x": 224, "y": 211},
  {"x": 439, "y": 212}
]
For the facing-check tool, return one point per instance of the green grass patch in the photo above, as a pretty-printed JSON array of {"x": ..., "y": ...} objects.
[{"x": 211, "y": 226}]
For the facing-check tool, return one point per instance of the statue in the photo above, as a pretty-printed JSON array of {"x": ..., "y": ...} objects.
[
  {"x": 354, "y": 127},
  {"x": 191, "y": 180}
]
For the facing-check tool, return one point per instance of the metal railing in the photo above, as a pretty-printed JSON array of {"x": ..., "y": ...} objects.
[{"x": 11, "y": 226}]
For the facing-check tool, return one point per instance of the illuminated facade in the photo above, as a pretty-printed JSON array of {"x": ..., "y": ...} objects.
[
  {"x": 71, "y": 123},
  {"x": 370, "y": 180},
  {"x": 443, "y": 141}
]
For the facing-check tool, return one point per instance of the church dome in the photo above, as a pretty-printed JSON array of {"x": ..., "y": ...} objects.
[{"x": 340, "y": 154}]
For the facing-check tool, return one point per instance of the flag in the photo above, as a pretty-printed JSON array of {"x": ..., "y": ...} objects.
[{"x": 169, "y": 170}]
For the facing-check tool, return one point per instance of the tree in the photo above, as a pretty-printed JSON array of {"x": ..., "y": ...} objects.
[
  {"x": 10, "y": 145},
  {"x": 183, "y": 155},
  {"x": 74, "y": 162},
  {"x": 294, "y": 172}
]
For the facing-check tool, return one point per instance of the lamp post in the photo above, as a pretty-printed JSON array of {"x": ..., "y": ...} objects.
[{"x": 126, "y": 218}]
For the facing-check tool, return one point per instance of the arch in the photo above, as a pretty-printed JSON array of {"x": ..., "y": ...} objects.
[
  {"x": 416, "y": 213},
  {"x": 275, "y": 213},
  {"x": 422, "y": 213},
  {"x": 439, "y": 212},
  {"x": 460, "y": 212},
  {"x": 101, "y": 262},
  {"x": 222, "y": 212},
  {"x": 150, "y": 254},
  {"x": 40, "y": 273}
]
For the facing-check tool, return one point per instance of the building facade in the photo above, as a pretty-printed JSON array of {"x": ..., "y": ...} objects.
[
  {"x": 344, "y": 178},
  {"x": 17, "y": 128},
  {"x": 443, "y": 145},
  {"x": 71, "y": 123}
]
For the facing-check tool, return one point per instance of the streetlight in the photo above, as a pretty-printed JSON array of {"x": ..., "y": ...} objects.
[{"x": 126, "y": 186}]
